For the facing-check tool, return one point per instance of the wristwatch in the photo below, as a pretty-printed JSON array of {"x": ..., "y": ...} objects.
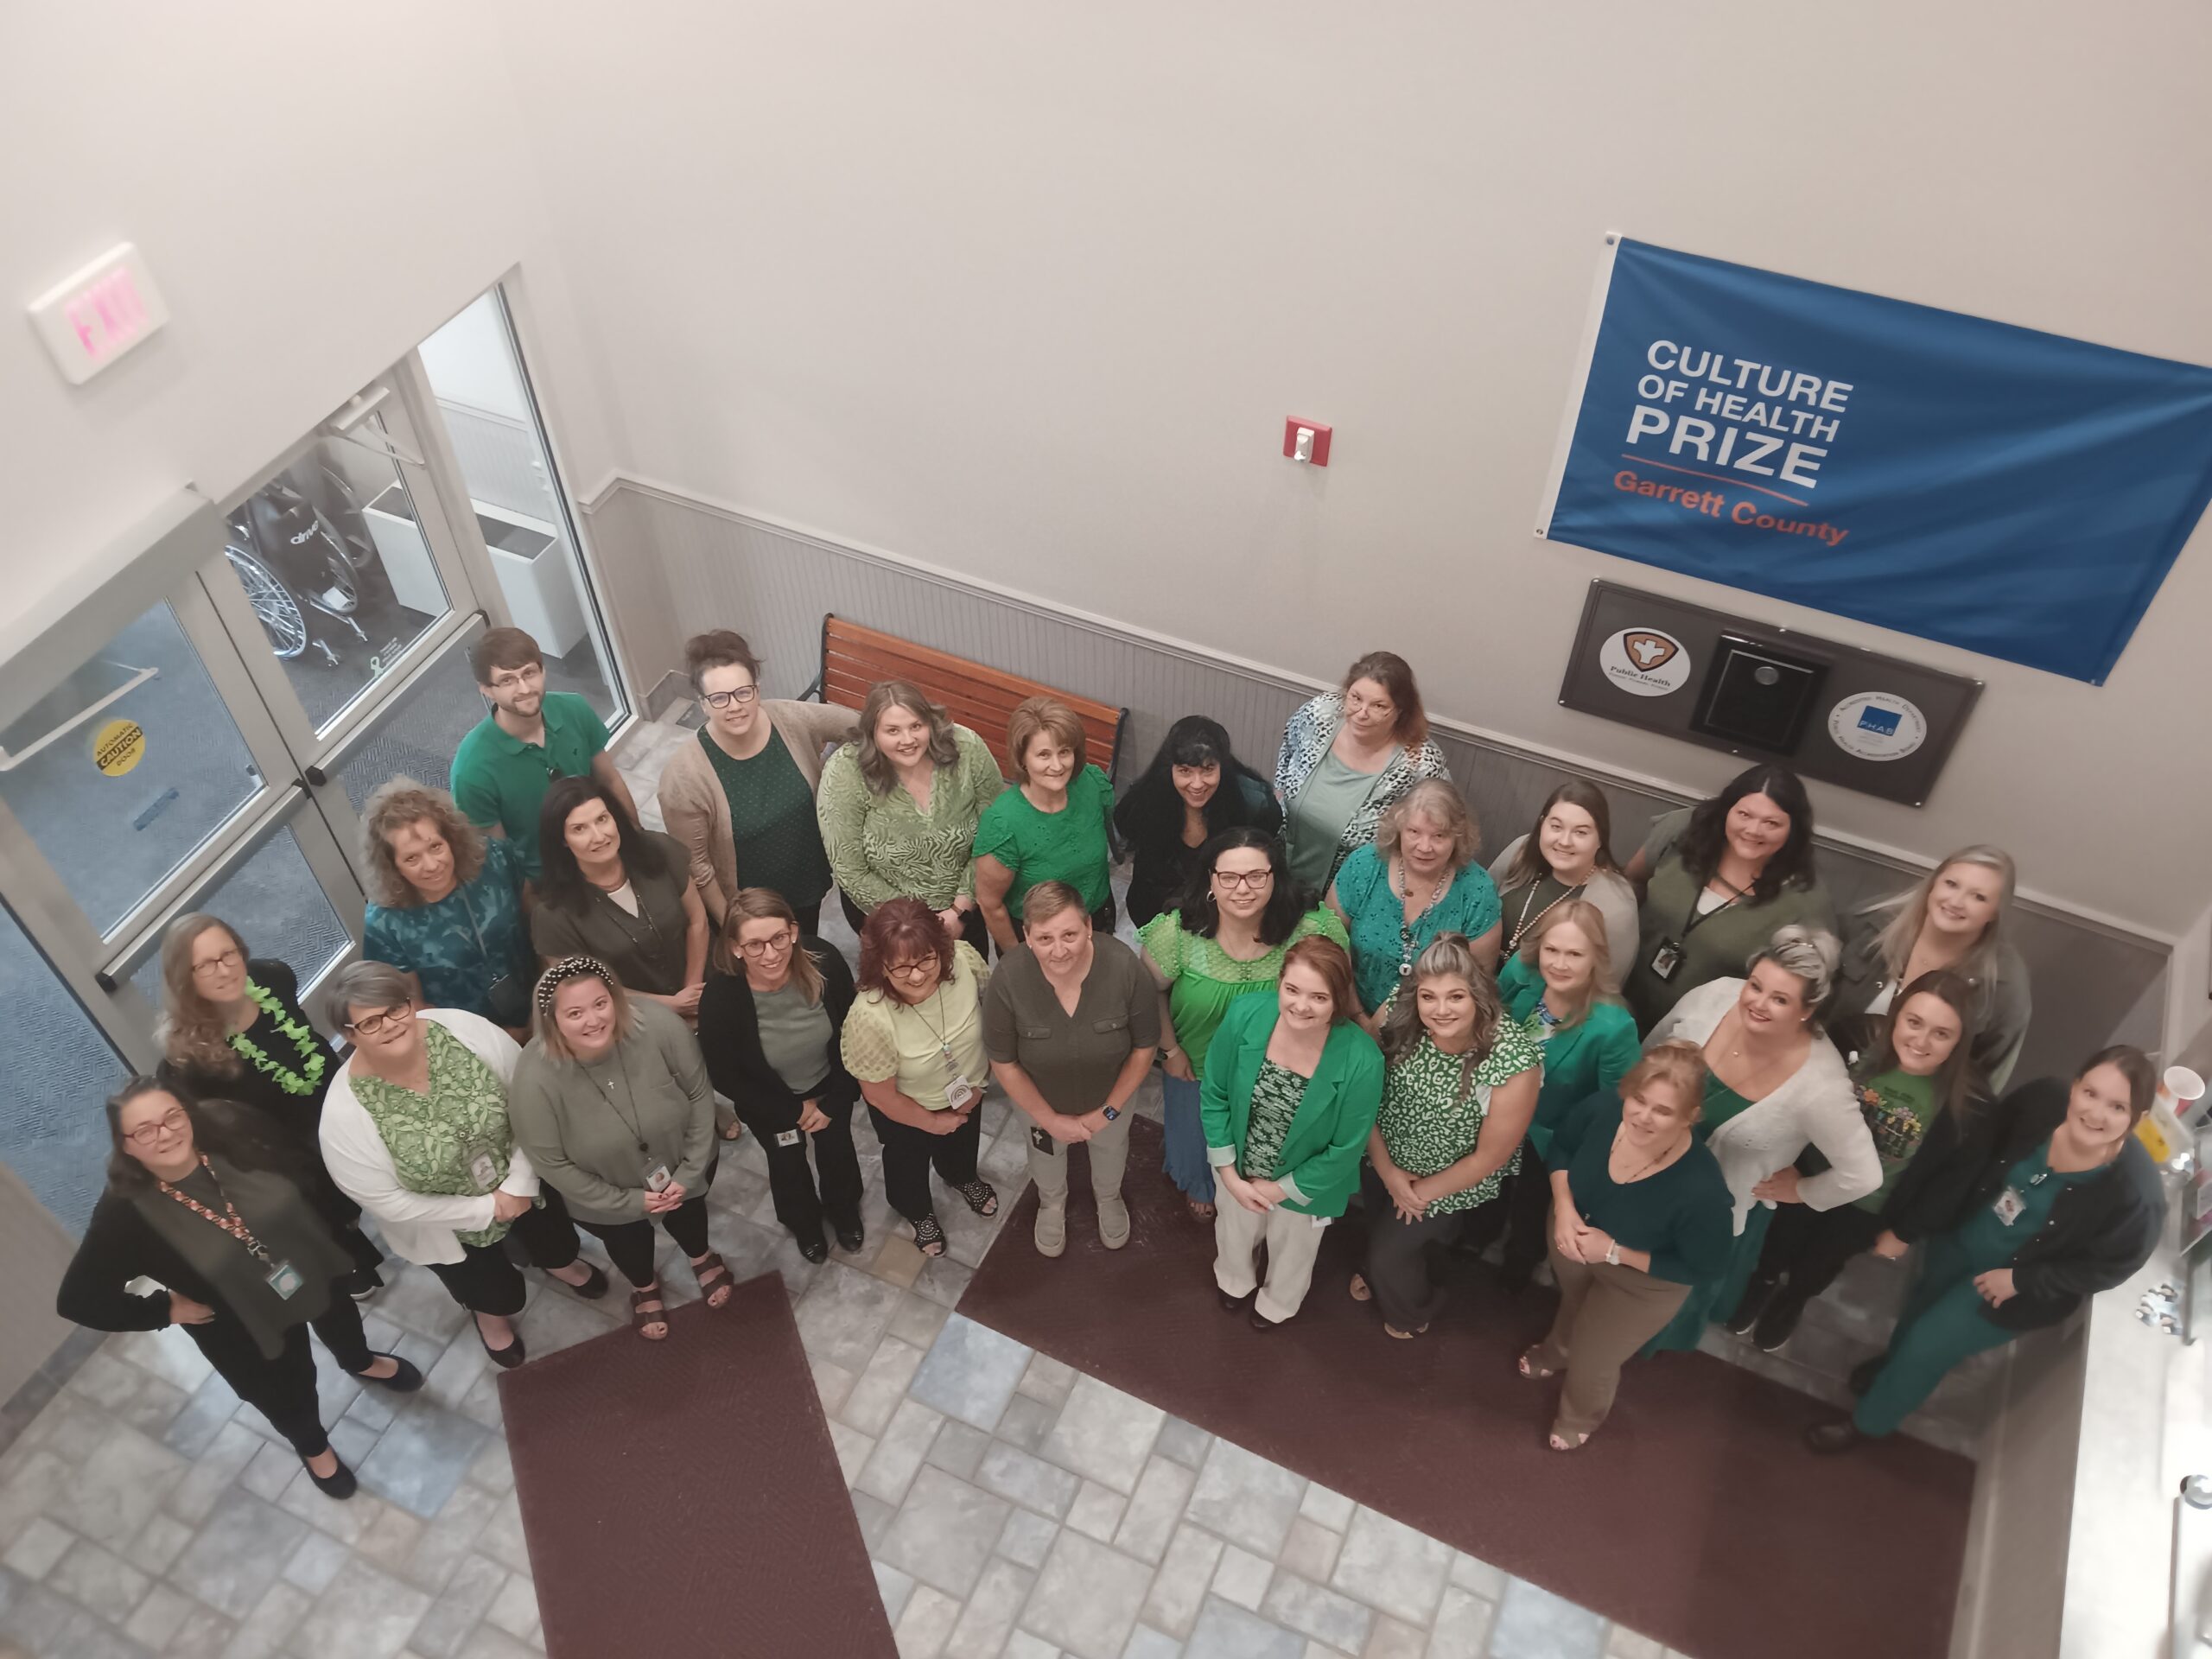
[
  {"x": 1109, "y": 1113},
  {"x": 1613, "y": 1254}
]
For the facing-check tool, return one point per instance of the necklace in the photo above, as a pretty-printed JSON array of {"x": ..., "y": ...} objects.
[
  {"x": 1521, "y": 927},
  {"x": 631, "y": 1120},
  {"x": 1407, "y": 924},
  {"x": 1665, "y": 1153},
  {"x": 309, "y": 1075}
]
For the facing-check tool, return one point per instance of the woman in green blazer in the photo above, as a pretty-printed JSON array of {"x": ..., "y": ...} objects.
[
  {"x": 1559, "y": 986},
  {"x": 1292, "y": 1088}
]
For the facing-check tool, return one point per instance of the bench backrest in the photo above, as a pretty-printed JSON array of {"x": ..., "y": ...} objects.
[{"x": 980, "y": 698}]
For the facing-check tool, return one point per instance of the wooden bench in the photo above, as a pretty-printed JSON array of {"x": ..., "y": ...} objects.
[{"x": 854, "y": 659}]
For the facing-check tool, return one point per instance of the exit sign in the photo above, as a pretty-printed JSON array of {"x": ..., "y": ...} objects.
[{"x": 96, "y": 314}]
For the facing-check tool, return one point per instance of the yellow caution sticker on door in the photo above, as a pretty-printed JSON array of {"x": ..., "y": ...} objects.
[{"x": 118, "y": 746}]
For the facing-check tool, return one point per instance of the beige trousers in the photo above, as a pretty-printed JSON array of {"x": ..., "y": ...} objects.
[
  {"x": 1605, "y": 1313},
  {"x": 1109, "y": 1157},
  {"x": 1293, "y": 1241}
]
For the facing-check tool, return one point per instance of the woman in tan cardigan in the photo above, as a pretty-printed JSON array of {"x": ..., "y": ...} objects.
[{"x": 741, "y": 799}]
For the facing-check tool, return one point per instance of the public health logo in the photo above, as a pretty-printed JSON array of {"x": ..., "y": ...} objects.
[
  {"x": 1644, "y": 663},
  {"x": 1648, "y": 652}
]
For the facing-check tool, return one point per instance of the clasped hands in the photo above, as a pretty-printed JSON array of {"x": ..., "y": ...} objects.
[
  {"x": 1258, "y": 1197},
  {"x": 1071, "y": 1131}
]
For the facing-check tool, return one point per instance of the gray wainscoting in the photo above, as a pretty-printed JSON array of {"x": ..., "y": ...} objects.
[{"x": 674, "y": 565}]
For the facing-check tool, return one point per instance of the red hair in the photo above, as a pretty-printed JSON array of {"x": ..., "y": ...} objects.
[
  {"x": 901, "y": 930},
  {"x": 1327, "y": 958}
]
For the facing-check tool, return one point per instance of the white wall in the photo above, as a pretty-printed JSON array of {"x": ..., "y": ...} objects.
[
  {"x": 1028, "y": 290},
  {"x": 314, "y": 197}
]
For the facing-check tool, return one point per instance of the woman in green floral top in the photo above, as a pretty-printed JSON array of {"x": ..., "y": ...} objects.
[
  {"x": 1460, "y": 1088},
  {"x": 233, "y": 1029},
  {"x": 899, "y": 806},
  {"x": 1224, "y": 941}
]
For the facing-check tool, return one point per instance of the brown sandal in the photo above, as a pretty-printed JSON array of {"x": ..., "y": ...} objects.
[
  {"x": 1360, "y": 1293},
  {"x": 714, "y": 1278},
  {"x": 1200, "y": 1210},
  {"x": 642, "y": 1317},
  {"x": 1529, "y": 1367}
]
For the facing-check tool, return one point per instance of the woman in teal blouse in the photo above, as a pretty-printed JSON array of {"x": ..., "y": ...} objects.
[
  {"x": 1560, "y": 988},
  {"x": 1051, "y": 826},
  {"x": 1416, "y": 882},
  {"x": 1292, "y": 1087}
]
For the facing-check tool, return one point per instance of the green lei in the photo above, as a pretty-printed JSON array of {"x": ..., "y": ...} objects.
[{"x": 302, "y": 1036}]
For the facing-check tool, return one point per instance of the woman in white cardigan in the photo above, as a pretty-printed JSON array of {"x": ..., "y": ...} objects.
[
  {"x": 415, "y": 1131},
  {"x": 1775, "y": 1085}
]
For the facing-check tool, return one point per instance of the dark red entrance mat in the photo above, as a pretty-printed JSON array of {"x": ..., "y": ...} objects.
[
  {"x": 1695, "y": 1515},
  {"x": 682, "y": 1498}
]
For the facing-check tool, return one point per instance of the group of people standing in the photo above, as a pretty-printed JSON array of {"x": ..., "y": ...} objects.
[{"x": 1666, "y": 1079}]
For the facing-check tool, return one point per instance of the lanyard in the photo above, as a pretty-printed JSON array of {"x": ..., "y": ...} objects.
[
  {"x": 943, "y": 1036},
  {"x": 1698, "y": 919},
  {"x": 232, "y": 1225}
]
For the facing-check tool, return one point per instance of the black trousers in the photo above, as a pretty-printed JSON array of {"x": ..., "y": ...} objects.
[
  {"x": 1805, "y": 1249},
  {"x": 630, "y": 1244},
  {"x": 486, "y": 1279},
  {"x": 1527, "y": 1201},
  {"x": 283, "y": 1390},
  {"x": 909, "y": 1154},
  {"x": 971, "y": 925},
  {"x": 1400, "y": 1269},
  {"x": 799, "y": 1204}
]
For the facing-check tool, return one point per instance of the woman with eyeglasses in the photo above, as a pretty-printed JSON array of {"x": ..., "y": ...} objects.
[
  {"x": 741, "y": 799},
  {"x": 610, "y": 1102},
  {"x": 416, "y": 1132},
  {"x": 770, "y": 1021},
  {"x": 199, "y": 1202},
  {"x": 1347, "y": 756},
  {"x": 898, "y": 807},
  {"x": 233, "y": 1029},
  {"x": 914, "y": 1041},
  {"x": 1224, "y": 940},
  {"x": 621, "y": 895},
  {"x": 1194, "y": 789}
]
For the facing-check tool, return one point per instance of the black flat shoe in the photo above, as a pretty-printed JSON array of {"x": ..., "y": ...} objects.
[
  {"x": 1260, "y": 1321},
  {"x": 850, "y": 1235},
  {"x": 1774, "y": 1330},
  {"x": 405, "y": 1380},
  {"x": 505, "y": 1358},
  {"x": 339, "y": 1483},
  {"x": 1828, "y": 1439},
  {"x": 1228, "y": 1303},
  {"x": 1757, "y": 1294},
  {"x": 1861, "y": 1380},
  {"x": 814, "y": 1250},
  {"x": 593, "y": 1288}
]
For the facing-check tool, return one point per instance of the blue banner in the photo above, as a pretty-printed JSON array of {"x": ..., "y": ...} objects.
[{"x": 2016, "y": 493}]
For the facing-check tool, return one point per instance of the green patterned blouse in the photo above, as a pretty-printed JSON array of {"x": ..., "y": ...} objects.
[
  {"x": 434, "y": 1139},
  {"x": 1203, "y": 979},
  {"x": 1427, "y": 1127},
  {"x": 1275, "y": 1095},
  {"x": 885, "y": 847}
]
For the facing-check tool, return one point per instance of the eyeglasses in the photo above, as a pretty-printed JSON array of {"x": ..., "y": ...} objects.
[
  {"x": 743, "y": 695},
  {"x": 170, "y": 1122},
  {"x": 227, "y": 959},
  {"x": 376, "y": 1025},
  {"x": 773, "y": 945},
  {"x": 520, "y": 677},
  {"x": 1233, "y": 880},
  {"x": 921, "y": 969}
]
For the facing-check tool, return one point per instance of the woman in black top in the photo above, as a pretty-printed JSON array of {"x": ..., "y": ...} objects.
[
  {"x": 769, "y": 1020},
  {"x": 198, "y": 1201},
  {"x": 2025, "y": 1212},
  {"x": 233, "y": 1029},
  {"x": 1194, "y": 789}
]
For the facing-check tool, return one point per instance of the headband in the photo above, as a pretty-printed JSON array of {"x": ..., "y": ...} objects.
[{"x": 562, "y": 971}]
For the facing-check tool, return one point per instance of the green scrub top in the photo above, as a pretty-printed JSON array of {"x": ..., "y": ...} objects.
[{"x": 1987, "y": 1240}]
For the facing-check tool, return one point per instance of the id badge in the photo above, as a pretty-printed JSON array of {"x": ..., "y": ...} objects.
[
  {"x": 284, "y": 1279},
  {"x": 1666, "y": 959},
  {"x": 788, "y": 1138},
  {"x": 657, "y": 1177},
  {"x": 484, "y": 1170},
  {"x": 960, "y": 1094},
  {"x": 2009, "y": 1205}
]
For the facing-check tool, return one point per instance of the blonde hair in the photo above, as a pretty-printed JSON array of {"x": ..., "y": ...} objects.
[
  {"x": 1893, "y": 944},
  {"x": 1811, "y": 954},
  {"x": 390, "y": 808},
  {"x": 545, "y": 1017},
  {"x": 766, "y": 905},
  {"x": 1438, "y": 798},
  {"x": 1586, "y": 916},
  {"x": 1035, "y": 717},
  {"x": 193, "y": 1031},
  {"x": 1448, "y": 956},
  {"x": 1679, "y": 1065},
  {"x": 1047, "y": 899}
]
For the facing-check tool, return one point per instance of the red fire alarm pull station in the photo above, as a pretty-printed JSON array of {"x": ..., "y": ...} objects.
[{"x": 1306, "y": 441}]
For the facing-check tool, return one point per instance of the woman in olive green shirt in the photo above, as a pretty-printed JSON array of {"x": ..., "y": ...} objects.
[
  {"x": 900, "y": 806},
  {"x": 610, "y": 1102},
  {"x": 1718, "y": 880},
  {"x": 621, "y": 895}
]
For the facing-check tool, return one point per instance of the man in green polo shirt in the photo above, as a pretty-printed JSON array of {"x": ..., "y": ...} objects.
[{"x": 504, "y": 767}]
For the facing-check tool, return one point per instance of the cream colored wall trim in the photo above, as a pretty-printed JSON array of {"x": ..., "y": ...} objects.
[{"x": 1267, "y": 674}]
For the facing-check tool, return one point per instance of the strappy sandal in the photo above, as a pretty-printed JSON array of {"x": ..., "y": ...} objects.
[
  {"x": 983, "y": 1198},
  {"x": 929, "y": 1236},
  {"x": 1360, "y": 1293},
  {"x": 1396, "y": 1335},
  {"x": 642, "y": 1317},
  {"x": 714, "y": 1278},
  {"x": 1200, "y": 1210},
  {"x": 1535, "y": 1371},
  {"x": 1559, "y": 1442}
]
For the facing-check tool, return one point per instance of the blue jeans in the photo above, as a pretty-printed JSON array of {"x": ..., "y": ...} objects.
[{"x": 1185, "y": 1139}]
